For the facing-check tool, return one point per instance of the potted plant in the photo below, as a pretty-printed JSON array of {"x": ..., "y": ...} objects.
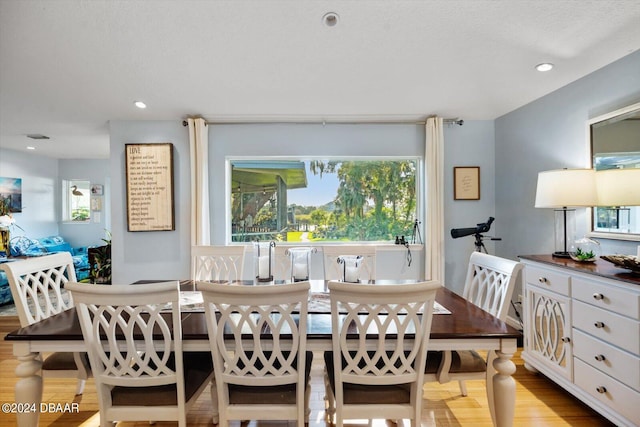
[{"x": 100, "y": 262}]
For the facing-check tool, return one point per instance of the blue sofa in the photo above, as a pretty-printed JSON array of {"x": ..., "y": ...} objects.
[{"x": 24, "y": 246}]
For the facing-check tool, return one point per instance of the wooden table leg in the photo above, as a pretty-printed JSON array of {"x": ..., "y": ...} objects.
[
  {"x": 28, "y": 389},
  {"x": 503, "y": 388}
]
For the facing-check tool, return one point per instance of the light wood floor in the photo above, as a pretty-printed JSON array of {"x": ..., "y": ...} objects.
[{"x": 539, "y": 402}]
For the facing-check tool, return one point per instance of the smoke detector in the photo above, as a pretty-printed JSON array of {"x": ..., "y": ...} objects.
[{"x": 330, "y": 19}]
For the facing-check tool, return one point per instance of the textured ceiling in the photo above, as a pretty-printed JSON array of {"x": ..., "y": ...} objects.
[{"x": 67, "y": 67}]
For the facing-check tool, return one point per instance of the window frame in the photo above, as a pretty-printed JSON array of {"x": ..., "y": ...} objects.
[
  {"x": 67, "y": 200},
  {"x": 420, "y": 184}
]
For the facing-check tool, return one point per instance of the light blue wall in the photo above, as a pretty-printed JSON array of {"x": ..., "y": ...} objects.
[
  {"x": 39, "y": 181},
  {"x": 41, "y": 195},
  {"x": 468, "y": 145},
  {"x": 551, "y": 133},
  {"x": 96, "y": 172},
  {"x": 165, "y": 255},
  {"x": 301, "y": 140},
  {"x": 151, "y": 255}
]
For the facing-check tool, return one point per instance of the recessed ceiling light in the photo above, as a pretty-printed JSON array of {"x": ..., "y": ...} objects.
[
  {"x": 330, "y": 19},
  {"x": 31, "y": 147},
  {"x": 545, "y": 66},
  {"x": 140, "y": 104}
]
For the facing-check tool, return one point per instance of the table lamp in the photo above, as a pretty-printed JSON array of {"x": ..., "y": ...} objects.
[
  {"x": 562, "y": 189},
  {"x": 618, "y": 187}
]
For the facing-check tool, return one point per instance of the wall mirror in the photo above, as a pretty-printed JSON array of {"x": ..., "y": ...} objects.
[{"x": 615, "y": 143}]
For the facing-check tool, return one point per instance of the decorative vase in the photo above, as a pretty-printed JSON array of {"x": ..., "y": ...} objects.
[
  {"x": 264, "y": 261},
  {"x": 585, "y": 250}
]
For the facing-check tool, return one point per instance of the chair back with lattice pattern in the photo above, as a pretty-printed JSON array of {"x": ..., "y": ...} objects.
[
  {"x": 219, "y": 263},
  {"x": 334, "y": 270},
  {"x": 265, "y": 327},
  {"x": 37, "y": 286},
  {"x": 131, "y": 332},
  {"x": 258, "y": 336},
  {"x": 380, "y": 332},
  {"x": 490, "y": 282}
]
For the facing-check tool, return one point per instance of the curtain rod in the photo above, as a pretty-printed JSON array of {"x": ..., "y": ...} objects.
[{"x": 451, "y": 121}]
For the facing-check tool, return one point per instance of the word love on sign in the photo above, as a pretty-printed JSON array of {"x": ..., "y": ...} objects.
[{"x": 149, "y": 169}]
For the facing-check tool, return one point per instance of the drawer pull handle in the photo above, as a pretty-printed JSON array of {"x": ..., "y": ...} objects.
[
  {"x": 602, "y": 389},
  {"x": 599, "y": 325},
  {"x": 598, "y": 296},
  {"x": 543, "y": 280},
  {"x": 600, "y": 358},
  {"x": 565, "y": 339}
]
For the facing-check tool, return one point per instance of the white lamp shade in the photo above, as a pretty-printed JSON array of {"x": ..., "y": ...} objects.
[
  {"x": 618, "y": 187},
  {"x": 566, "y": 187}
]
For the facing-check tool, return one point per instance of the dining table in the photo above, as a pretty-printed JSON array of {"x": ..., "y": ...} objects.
[{"x": 457, "y": 325}]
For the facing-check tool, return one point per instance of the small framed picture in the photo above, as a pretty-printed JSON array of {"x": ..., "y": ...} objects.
[
  {"x": 96, "y": 204},
  {"x": 466, "y": 183},
  {"x": 97, "y": 189}
]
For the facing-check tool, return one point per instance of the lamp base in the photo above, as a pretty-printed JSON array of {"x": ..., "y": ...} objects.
[{"x": 561, "y": 255}]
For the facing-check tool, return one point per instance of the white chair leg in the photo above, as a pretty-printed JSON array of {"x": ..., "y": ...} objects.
[
  {"x": 463, "y": 387},
  {"x": 214, "y": 402},
  {"x": 80, "y": 386}
]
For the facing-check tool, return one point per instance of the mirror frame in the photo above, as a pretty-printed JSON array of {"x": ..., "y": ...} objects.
[{"x": 604, "y": 117}]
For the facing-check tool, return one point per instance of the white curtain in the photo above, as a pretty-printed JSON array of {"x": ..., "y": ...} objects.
[
  {"x": 434, "y": 178},
  {"x": 199, "y": 153}
]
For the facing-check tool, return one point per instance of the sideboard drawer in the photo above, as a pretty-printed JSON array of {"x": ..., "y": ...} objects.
[
  {"x": 611, "y": 298},
  {"x": 613, "y": 328},
  {"x": 610, "y": 392},
  {"x": 548, "y": 279},
  {"x": 617, "y": 363}
]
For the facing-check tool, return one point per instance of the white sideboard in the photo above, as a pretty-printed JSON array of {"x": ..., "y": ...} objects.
[{"x": 582, "y": 330}]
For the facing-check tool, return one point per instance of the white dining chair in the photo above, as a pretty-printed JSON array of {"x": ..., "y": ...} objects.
[
  {"x": 380, "y": 336},
  {"x": 37, "y": 287},
  {"x": 134, "y": 339},
  {"x": 489, "y": 285},
  {"x": 220, "y": 263},
  {"x": 258, "y": 341},
  {"x": 333, "y": 270}
]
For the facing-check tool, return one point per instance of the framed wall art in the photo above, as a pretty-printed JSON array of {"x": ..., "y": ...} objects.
[
  {"x": 466, "y": 183},
  {"x": 97, "y": 189},
  {"x": 11, "y": 193},
  {"x": 149, "y": 180}
]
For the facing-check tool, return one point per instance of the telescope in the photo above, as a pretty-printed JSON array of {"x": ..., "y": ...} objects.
[{"x": 478, "y": 229}]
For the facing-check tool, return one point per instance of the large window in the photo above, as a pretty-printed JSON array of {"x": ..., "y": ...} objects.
[
  {"x": 76, "y": 201},
  {"x": 314, "y": 200}
]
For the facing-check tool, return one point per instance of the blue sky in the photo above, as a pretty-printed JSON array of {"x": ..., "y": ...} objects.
[{"x": 319, "y": 191}]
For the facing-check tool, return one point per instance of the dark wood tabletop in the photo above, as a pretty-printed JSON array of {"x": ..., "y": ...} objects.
[{"x": 465, "y": 321}]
